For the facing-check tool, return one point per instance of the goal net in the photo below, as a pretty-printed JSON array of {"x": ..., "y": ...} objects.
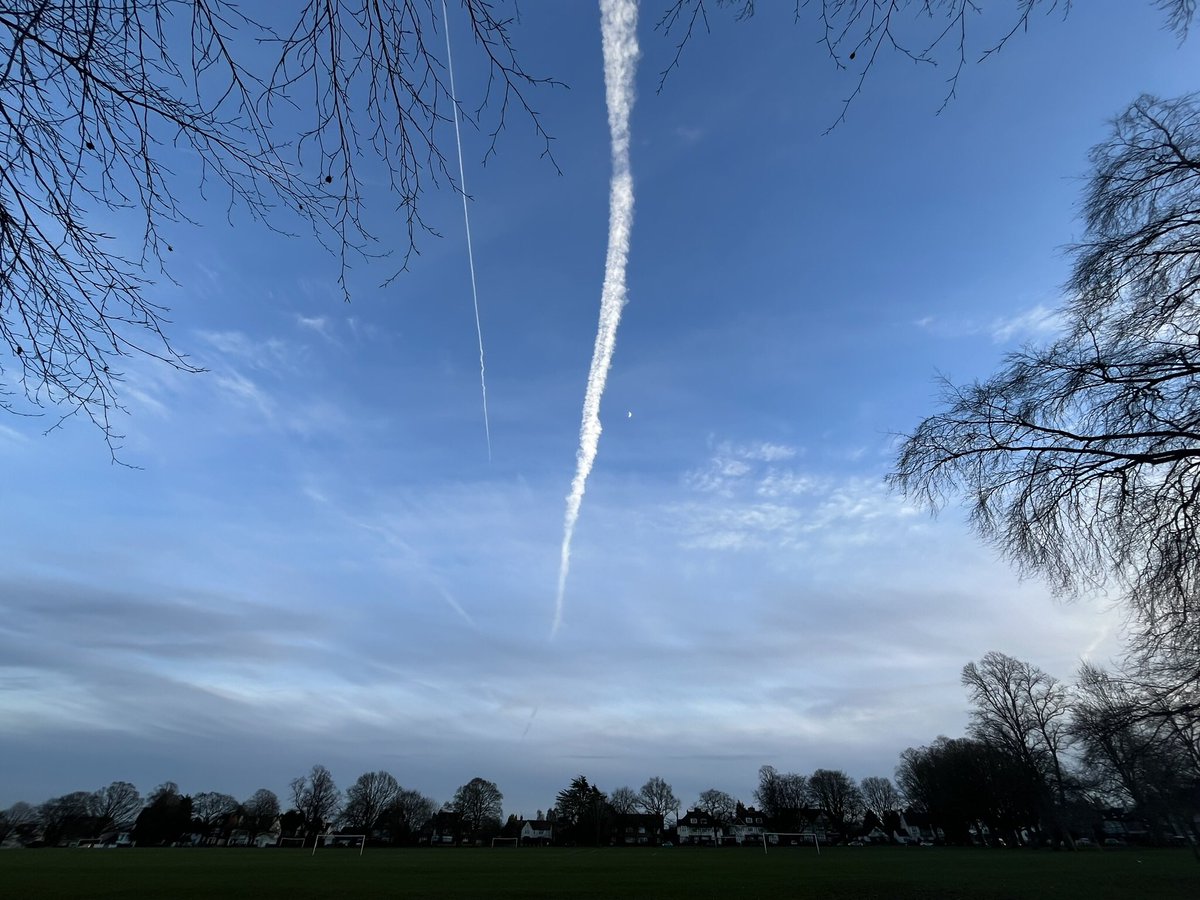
[
  {"x": 506, "y": 842},
  {"x": 789, "y": 839}
]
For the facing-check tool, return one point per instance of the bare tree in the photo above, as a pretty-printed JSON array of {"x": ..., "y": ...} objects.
[
  {"x": 880, "y": 796},
  {"x": 66, "y": 817},
  {"x": 117, "y": 805},
  {"x": 836, "y": 794},
  {"x": 721, "y": 808},
  {"x": 855, "y": 33},
  {"x": 368, "y": 799},
  {"x": 1163, "y": 675},
  {"x": 1137, "y": 752},
  {"x": 624, "y": 800},
  {"x": 262, "y": 809},
  {"x": 657, "y": 797},
  {"x": 479, "y": 802},
  {"x": 1107, "y": 721},
  {"x": 102, "y": 98},
  {"x": 15, "y": 817},
  {"x": 212, "y": 808},
  {"x": 781, "y": 796},
  {"x": 316, "y": 797},
  {"x": 1022, "y": 711},
  {"x": 408, "y": 812},
  {"x": 1080, "y": 461}
]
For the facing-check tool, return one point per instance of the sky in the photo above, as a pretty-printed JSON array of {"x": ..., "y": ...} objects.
[{"x": 310, "y": 557}]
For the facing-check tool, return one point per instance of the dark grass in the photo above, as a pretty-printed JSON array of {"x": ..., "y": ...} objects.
[{"x": 727, "y": 873}]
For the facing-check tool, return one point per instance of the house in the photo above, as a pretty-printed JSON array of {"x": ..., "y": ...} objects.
[
  {"x": 115, "y": 839},
  {"x": 636, "y": 830},
  {"x": 443, "y": 829},
  {"x": 805, "y": 823},
  {"x": 877, "y": 836},
  {"x": 747, "y": 826},
  {"x": 698, "y": 827},
  {"x": 916, "y": 827},
  {"x": 1125, "y": 826},
  {"x": 535, "y": 833}
]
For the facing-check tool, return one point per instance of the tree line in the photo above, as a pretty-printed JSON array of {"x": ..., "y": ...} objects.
[
  {"x": 1079, "y": 461},
  {"x": 1041, "y": 763}
]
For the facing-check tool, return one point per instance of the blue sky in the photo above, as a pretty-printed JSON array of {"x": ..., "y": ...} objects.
[{"x": 315, "y": 560}]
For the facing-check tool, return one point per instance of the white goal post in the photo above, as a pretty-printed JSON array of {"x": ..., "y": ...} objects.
[
  {"x": 802, "y": 835},
  {"x": 335, "y": 839},
  {"x": 516, "y": 842},
  {"x": 291, "y": 842}
]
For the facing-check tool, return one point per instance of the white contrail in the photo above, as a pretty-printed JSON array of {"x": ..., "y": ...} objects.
[
  {"x": 618, "y": 23},
  {"x": 462, "y": 185}
]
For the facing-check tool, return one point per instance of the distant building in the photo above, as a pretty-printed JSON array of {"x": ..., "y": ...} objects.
[
  {"x": 805, "y": 822},
  {"x": 535, "y": 832},
  {"x": 916, "y": 827},
  {"x": 636, "y": 830},
  {"x": 697, "y": 827},
  {"x": 443, "y": 829},
  {"x": 748, "y": 825}
]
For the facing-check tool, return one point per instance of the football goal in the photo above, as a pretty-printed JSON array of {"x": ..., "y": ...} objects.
[
  {"x": 291, "y": 842},
  {"x": 340, "y": 840},
  {"x": 506, "y": 842},
  {"x": 789, "y": 839}
]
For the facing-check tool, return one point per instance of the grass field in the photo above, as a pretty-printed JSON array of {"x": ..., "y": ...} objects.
[{"x": 839, "y": 872}]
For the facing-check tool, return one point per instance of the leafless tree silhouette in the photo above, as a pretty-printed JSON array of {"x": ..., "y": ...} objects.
[
  {"x": 855, "y": 33},
  {"x": 98, "y": 99},
  {"x": 1081, "y": 460}
]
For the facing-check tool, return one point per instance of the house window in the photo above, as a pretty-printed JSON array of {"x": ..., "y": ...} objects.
[
  {"x": 692, "y": 820},
  {"x": 704, "y": 821}
]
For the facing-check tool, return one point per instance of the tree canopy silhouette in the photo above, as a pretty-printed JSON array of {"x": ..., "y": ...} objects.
[
  {"x": 101, "y": 99},
  {"x": 1080, "y": 460}
]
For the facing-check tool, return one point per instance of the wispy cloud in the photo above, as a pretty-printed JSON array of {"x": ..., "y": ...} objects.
[
  {"x": 246, "y": 392},
  {"x": 1038, "y": 322},
  {"x": 11, "y": 435},
  {"x": 318, "y": 325},
  {"x": 731, "y": 463},
  {"x": 271, "y": 354},
  {"x": 751, "y": 496}
]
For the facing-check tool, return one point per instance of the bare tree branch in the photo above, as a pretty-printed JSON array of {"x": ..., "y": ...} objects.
[
  {"x": 857, "y": 34},
  {"x": 1080, "y": 460},
  {"x": 97, "y": 97}
]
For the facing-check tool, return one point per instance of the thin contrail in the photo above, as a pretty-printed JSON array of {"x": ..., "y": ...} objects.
[
  {"x": 462, "y": 184},
  {"x": 618, "y": 24}
]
